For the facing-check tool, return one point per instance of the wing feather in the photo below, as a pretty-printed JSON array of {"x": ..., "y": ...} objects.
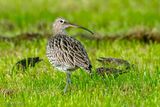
[{"x": 70, "y": 51}]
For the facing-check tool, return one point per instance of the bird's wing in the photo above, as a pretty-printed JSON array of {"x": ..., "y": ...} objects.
[
  {"x": 76, "y": 53},
  {"x": 67, "y": 51}
]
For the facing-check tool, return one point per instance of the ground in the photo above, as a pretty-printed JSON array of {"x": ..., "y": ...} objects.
[{"x": 43, "y": 85}]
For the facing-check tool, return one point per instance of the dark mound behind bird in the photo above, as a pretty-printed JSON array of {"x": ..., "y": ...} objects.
[
  {"x": 26, "y": 62},
  {"x": 113, "y": 66}
]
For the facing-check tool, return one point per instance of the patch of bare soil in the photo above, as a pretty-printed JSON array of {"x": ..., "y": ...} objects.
[
  {"x": 145, "y": 35},
  {"x": 24, "y": 37},
  {"x": 7, "y": 92},
  {"x": 140, "y": 34},
  {"x": 6, "y": 25}
]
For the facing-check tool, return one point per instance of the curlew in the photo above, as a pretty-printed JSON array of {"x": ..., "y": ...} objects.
[{"x": 66, "y": 53}]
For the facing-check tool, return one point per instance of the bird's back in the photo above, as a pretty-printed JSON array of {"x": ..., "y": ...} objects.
[{"x": 66, "y": 53}]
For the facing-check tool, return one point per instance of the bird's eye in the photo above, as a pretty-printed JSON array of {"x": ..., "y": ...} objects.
[{"x": 61, "y": 21}]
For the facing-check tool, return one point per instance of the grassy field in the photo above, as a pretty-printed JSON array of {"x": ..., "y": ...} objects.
[{"x": 43, "y": 85}]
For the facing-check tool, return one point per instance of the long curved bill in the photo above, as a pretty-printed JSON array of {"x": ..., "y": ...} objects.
[{"x": 77, "y": 26}]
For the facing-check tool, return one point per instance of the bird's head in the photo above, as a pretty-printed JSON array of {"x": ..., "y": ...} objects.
[{"x": 61, "y": 24}]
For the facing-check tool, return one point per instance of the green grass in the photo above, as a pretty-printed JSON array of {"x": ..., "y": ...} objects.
[{"x": 43, "y": 85}]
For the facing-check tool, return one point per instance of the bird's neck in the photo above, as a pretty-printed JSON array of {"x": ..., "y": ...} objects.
[{"x": 59, "y": 32}]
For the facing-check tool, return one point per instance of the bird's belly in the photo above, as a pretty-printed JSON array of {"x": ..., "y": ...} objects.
[
  {"x": 61, "y": 66},
  {"x": 65, "y": 68}
]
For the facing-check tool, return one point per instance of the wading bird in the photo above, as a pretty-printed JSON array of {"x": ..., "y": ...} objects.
[{"x": 66, "y": 53}]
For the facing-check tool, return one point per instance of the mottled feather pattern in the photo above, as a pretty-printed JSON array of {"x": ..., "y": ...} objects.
[{"x": 67, "y": 52}]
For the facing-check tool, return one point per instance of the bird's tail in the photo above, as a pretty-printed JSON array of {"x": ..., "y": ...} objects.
[{"x": 89, "y": 69}]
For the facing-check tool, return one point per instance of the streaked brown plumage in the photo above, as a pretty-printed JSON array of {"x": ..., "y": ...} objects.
[{"x": 66, "y": 53}]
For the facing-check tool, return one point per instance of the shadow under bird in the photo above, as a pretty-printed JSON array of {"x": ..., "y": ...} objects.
[{"x": 66, "y": 53}]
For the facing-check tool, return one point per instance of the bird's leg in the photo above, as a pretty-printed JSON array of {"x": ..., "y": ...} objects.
[{"x": 68, "y": 81}]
